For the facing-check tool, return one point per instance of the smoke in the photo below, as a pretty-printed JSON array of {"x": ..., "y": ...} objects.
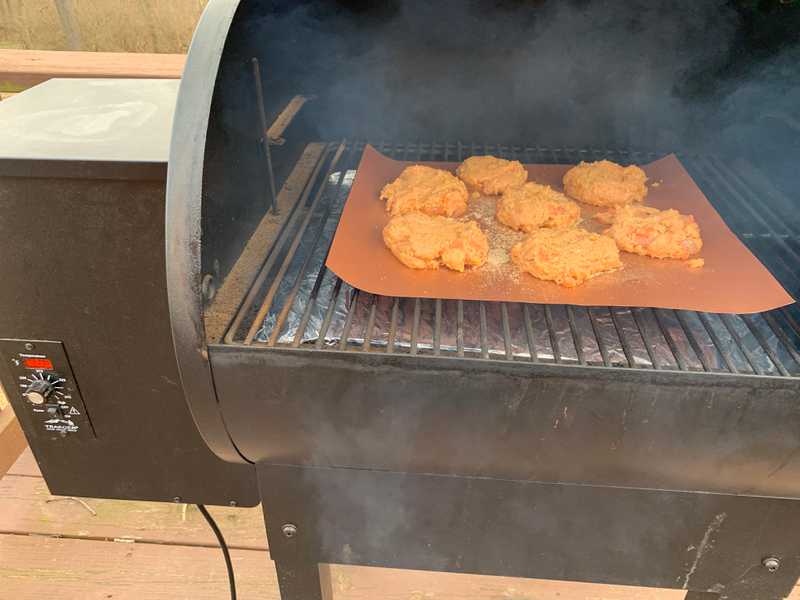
[
  {"x": 759, "y": 119},
  {"x": 675, "y": 75}
]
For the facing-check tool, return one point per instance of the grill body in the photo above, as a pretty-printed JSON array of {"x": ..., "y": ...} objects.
[
  {"x": 391, "y": 435},
  {"x": 545, "y": 423},
  {"x": 652, "y": 448}
]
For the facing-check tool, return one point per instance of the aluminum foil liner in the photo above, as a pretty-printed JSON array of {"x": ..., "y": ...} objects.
[{"x": 324, "y": 310}]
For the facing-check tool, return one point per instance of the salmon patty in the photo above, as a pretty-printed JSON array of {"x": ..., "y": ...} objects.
[
  {"x": 605, "y": 183},
  {"x": 425, "y": 190},
  {"x": 490, "y": 175},
  {"x": 567, "y": 256},
  {"x": 532, "y": 205},
  {"x": 657, "y": 233},
  {"x": 428, "y": 242}
]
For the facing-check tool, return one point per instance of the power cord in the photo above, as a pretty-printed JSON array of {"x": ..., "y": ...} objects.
[{"x": 225, "y": 552}]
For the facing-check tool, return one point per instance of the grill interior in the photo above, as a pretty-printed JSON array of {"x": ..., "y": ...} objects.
[{"x": 296, "y": 302}]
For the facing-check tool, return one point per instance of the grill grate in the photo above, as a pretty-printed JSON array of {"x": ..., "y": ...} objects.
[{"x": 297, "y": 303}]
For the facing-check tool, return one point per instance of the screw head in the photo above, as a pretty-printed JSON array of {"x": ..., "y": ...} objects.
[
  {"x": 289, "y": 531},
  {"x": 177, "y": 499},
  {"x": 29, "y": 346},
  {"x": 233, "y": 503},
  {"x": 771, "y": 564}
]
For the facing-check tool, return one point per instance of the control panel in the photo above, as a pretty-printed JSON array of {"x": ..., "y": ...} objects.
[{"x": 47, "y": 393}]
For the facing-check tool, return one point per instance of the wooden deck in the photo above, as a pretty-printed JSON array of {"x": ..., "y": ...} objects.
[
  {"x": 107, "y": 549},
  {"x": 12, "y": 441},
  {"x": 21, "y": 69}
]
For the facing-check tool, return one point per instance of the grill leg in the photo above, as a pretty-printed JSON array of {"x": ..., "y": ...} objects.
[{"x": 303, "y": 580}]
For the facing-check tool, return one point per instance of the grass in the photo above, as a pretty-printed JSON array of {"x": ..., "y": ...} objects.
[{"x": 164, "y": 26}]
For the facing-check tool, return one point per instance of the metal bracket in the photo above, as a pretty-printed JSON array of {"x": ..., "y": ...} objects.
[
  {"x": 264, "y": 139},
  {"x": 271, "y": 136},
  {"x": 282, "y": 122}
]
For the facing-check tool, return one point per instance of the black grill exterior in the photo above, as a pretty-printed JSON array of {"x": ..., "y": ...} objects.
[
  {"x": 357, "y": 404},
  {"x": 637, "y": 446}
]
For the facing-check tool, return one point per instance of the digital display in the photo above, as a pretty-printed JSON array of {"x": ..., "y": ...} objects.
[{"x": 38, "y": 363}]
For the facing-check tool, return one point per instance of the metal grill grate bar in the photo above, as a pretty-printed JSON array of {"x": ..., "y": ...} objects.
[
  {"x": 787, "y": 343},
  {"x": 727, "y": 320},
  {"x": 415, "y": 326},
  {"x": 743, "y": 216},
  {"x": 600, "y": 343},
  {"x": 348, "y": 324},
  {"x": 437, "y": 332},
  {"x": 576, "y": 336},
  {"x": 370, "y": 324},
  {"x": 772, "y": 223},
  {"x": 764, "y": 344},
  {"x": 262, "y": 313},
  {"x": 326, "y": 323},
  {"x": 506, "y": 331},
  {"x": 692, "y": 340},
  {"x": 298, "y": 279},
  {"x": 282, "y": 237},
  {"x": 460, "y": 326},
  {"x": 393, "y": 325},
  {"x": 548, "y": 317},
  {"x": 484, "y": 344},
  {"x": 298, "y": 338},
  {"x": 636, "y": 313}
]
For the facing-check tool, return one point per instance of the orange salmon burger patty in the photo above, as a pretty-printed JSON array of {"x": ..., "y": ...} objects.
[
  {"x": 567, "y": 256},
  {"x": 657, "y": 233},
  {"x": 490, "y": 175},
  {"x": 605, "y": 183},
  {"x": 424, "y": 242},
  {"x": 425, "y": 190},
  {"x": 532, "y": 205}
]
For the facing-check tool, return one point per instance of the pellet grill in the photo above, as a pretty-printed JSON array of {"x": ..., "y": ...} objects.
[{"x": 617, "y": 445}]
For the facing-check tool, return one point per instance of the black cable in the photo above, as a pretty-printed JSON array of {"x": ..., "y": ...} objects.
[{"x": 226, "y": 553}]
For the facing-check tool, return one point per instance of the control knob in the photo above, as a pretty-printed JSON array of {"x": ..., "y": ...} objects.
[{"x": 39, "y": 391}]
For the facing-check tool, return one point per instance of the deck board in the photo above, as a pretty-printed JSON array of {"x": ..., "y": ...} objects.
[
  {"x": 26, "y": 465},
  {"x": 59, "y": 549},
  {"x": 12, "y": 440},
  {"x": 39, "y": 567},
  {"x": 36, "y": 567},
  {"x": 21, "y": 69},
  {"x": 26, "y": 506},
  {"x": 33, "y": 568}
]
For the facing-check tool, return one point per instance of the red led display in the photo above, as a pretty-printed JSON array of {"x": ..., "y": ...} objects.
[{"x": 38, "y": 363}]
